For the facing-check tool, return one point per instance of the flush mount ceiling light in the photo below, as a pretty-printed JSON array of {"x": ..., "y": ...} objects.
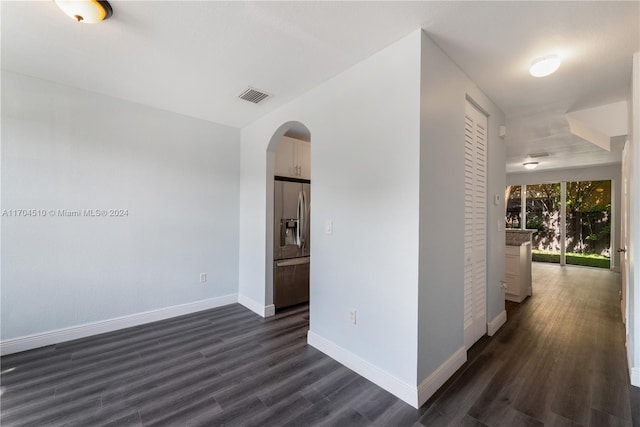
[
  {"x": 544, "y": 66},
  {"x": 86, "y": 11},
  {"x": 530, "y": 165}
]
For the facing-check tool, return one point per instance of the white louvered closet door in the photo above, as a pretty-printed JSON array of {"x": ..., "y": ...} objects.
[{"x": 475, "y": 225}]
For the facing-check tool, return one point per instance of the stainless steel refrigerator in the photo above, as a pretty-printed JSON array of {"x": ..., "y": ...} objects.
[{"x": 291, "y": 252}]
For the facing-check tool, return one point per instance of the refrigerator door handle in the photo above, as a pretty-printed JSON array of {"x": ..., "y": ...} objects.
[
  {"x": 283, "y": 233},
  {"x": 293, "y": 261},
  {"x": 300, "y": 216},
  {"x": 305, "y": 219}
]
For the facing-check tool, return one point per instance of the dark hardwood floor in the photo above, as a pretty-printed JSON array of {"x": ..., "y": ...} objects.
[{"x": 559, "y": 361}]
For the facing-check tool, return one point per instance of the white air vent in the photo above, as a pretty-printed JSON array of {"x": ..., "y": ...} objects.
[
  {"x": 538, "y": 155},
  {"x": 254, "y": 95}
]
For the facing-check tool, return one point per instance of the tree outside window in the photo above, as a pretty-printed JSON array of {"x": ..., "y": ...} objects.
[
  {"x": 588, "y": 220},
  {"x": 543, "y": 214},
  {"x": 589, "y": 217}
]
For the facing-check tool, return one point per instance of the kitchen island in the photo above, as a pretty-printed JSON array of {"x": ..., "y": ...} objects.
[{"x": 518, "y": 264}]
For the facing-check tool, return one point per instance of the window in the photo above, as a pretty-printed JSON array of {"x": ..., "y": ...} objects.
[
  {"x": 543, "y": 214},
  {"x": 587, "y": 220},
  {"x": 513, "y": 196}
]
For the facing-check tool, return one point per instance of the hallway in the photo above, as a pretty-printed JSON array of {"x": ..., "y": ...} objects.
[{"x": 559, "y": 360}]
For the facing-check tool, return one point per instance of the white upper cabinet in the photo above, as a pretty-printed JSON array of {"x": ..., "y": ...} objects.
[{"x": 293, "y": 158}]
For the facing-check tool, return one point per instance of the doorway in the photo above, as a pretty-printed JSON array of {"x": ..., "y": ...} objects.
[{"x": 288, "y": 214}]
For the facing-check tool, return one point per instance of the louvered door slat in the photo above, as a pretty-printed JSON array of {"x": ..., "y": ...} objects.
[{"x": 475, "y": 235}]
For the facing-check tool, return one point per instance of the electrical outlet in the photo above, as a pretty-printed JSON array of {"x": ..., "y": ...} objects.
[
  {"x": 352, "y": 316},
  {"x": 203, "y": 277}
]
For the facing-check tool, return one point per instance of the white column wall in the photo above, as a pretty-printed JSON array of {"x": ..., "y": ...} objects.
[
  {"x": 364, "y": 126},
  {"x": 444, "y": 89}
]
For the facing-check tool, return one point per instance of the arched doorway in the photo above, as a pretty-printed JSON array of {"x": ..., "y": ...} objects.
[{"x": 297, "y": 138}]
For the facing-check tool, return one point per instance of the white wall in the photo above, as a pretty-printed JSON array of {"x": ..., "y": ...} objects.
[
  {"x": 178, "y": 177},
  {"x": 595, "y": 173},
  {"x": 385, "y": 151},
  {"x": 633, "y": 251},
  {"x": 364, "y": 127},
  {"x": 444, "y": 90}
]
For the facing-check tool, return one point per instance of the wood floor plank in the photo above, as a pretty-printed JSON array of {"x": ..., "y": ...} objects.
[
  {"x": 452, "y": 406},
  {"x": 558, "y": 361},
  {"x": 611, "y": 396},
  {"x": 261, "y": 384},
  {"x": 181, "y": 411},
  {"x": 234, "y": 415},
  {"x": 333, "y": 409},
  {"x": 373, "y": 402},
  {"x": 280, "y": 413},
  {"x": 469, "y": 421},
  {"x": 603, "y": 419},
  {"x": 555, "y": 420},
  {"x": 63, "y": 410},
  {"x": 399, "y": 414}
]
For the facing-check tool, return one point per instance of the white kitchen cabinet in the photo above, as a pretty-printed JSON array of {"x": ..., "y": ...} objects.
[
  {"x": 293, "y": 158},
  {"x": 303, "y": 158},
  {"x": 518, "y": 271}
]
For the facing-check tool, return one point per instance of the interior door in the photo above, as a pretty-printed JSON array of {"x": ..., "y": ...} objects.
[
  {"x": 624, "y": 235},
  {"x": 475, "y": 225}
]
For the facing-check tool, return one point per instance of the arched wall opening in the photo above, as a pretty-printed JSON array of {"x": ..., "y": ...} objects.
[{"x": 292, "y": 129}]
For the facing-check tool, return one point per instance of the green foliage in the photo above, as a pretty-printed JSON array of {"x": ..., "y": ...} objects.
[
  {"x": 587, "y": 260},
  {"x": 537, "y": 223},
  {"x": 588, "y": 211}
]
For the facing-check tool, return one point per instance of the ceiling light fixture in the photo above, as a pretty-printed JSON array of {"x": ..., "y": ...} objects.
[
  {"x": 530, "y": 165},
  {"x": 544, "y": 66},
  {"x": 86, "y": 11}
]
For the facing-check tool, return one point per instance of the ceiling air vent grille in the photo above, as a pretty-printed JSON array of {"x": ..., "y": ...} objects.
[
  {"x": 538, "y": 155},
  {"x": 254, "y": 95}
]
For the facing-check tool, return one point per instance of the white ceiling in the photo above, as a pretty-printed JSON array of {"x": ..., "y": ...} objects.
[{"x": 194, "y": 58}]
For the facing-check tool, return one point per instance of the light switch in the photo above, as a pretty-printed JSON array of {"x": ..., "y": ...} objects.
[{"x": 328, "y": 227}]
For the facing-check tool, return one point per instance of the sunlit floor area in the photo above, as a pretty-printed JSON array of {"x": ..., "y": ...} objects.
[{"x": 559, "y": 360}]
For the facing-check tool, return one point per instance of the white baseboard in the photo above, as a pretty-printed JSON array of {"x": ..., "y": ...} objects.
[
  {"x": 256, "y": 307},
  {"x": 392, "y": 384},
  {"x": 635, "y": 376},
  {"x": 29, "y": 342},
  {"x": 269, "y": 310},
  {"x": 433, "y": 382},
  {"x": 496, "y": 323},
  {"x": 634, "y": 372},
  {"x": 515, "y": 298}
]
